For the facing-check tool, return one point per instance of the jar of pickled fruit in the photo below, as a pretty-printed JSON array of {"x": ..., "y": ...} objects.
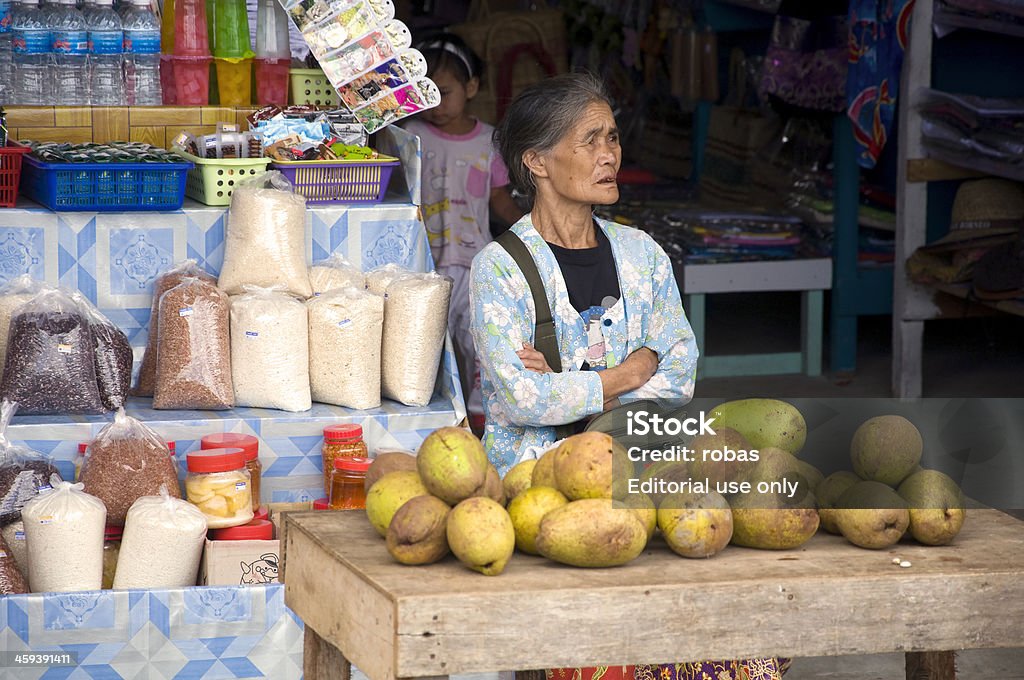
[
  {"x": 218, "y": 484},
  {"x": 250, "y": 446}
]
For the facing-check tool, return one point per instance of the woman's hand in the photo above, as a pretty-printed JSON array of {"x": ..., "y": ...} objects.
[
  {"x": 632, "y": 373},
  {"x": 533, "y": 359}
]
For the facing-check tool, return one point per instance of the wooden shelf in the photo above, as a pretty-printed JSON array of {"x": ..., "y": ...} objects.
[
  {"x": 979, "y": 24},
  {"x": 1013, "y": 306}
]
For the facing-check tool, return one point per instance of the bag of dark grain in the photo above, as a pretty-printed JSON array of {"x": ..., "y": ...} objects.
[
  {"x": 112, "y": 354},
  {"x": 14, "y": 294},
  {"x": 169, "y": 279},
  {"x": 50, "y": 367},
  {"x": 126, "y": 461},
  {"x": 12, "y": 582},
  {"x": 194, "y": 349},
  {"x": 23, "y": 472}
]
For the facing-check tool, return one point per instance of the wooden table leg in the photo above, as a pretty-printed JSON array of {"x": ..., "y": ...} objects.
[
  {"x": 931, "y": 666},
  {"x": 321, "y": 660}
]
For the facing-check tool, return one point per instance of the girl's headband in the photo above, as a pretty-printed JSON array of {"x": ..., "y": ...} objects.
[{"x": 442, "y": 44}]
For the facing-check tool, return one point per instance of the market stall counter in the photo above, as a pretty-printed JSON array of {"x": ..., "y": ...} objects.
[{"x": 824, "y": 599}]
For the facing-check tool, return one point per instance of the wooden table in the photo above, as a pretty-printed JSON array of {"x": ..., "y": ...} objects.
[{"x": 827, "y": 598}]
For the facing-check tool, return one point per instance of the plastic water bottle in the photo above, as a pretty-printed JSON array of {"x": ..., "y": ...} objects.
[
  {"x": 69, "y": 43},
  {"x": 30, "y": 41},
  {"x": 142, "y": 55},
  {"x": 6, "y": 77},
  {"x": 106, "y": 40}
]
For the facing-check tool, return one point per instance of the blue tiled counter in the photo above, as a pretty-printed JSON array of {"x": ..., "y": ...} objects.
[{"x": 186, "y": 633}]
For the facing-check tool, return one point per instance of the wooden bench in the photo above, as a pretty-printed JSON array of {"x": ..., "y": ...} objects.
[
  {"x": 811, "y": 277},
  {"x": 827, "y": 598}
]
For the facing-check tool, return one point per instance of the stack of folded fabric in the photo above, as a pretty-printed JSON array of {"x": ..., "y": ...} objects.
[{"x": 974, "y": 132}]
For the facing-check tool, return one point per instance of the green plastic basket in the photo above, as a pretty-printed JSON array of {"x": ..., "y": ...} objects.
[
  {"x": 212, "y": 180},
  {"x": 311, "y": 86}
]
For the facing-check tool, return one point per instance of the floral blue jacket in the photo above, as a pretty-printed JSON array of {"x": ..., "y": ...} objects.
[{"x": 521, "y": 406}]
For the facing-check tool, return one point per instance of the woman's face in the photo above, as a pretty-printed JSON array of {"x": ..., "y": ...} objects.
[{"x": 583, "y": 165}]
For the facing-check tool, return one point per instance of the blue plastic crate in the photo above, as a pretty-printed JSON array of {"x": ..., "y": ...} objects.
[{"x": 105, "y": 187}]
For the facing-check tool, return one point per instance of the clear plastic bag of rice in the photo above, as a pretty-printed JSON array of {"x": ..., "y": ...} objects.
[
  {"x": 13, "y": 294},
  {"x": 345, "y": 329},
  {"x": 64, "y": 529},
  {"x": 379, "y": 278},
  {"x": 194, "y": 348},
  {"x": 112, "y": 354},
  {"x": 164, "y": 282},
  {"x": 50, "y": 367},
  {"x": 23, "y": 472},
  {"x": 415, "y": 324},
  {"x": 265, "y": 237},
  {"x": 127, "y": 460},
  {"x": 270, "y": 350},
  {"x": 162, "y": 543},
  {"x": 334, "y": 272}
]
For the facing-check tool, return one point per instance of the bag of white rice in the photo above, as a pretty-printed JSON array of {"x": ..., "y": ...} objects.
[
  {"x": 265, "y": 239},
  {"x": 334, "y": 272},
  {"x": 415, "y": 323},
  {"x": 379, "y": 278},
  {"x": 64, "y": 530},
  {"x": 344, "y": 347},
  {"x": 270, "y": 350},
  {"x": 162, "y": 543}
]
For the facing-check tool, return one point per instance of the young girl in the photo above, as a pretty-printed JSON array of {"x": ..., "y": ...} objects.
[{"x": 464, "y": 183}]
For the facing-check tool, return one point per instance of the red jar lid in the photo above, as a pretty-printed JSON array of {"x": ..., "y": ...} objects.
[
  {"x": 322, "y": 504},
  {"x": 82, "y": 446},
  {"x": 215, "y": 460},
  {"x": 249, "y": 444},
  {"x": 261, "y": 512},
  {"x": 256, "y": 530},
  {"x": 112, "y": 533},
  {"x": 171, "y": 447},
  {"x": 352, "y": 463},
  {"x": 343, "y": 433}
]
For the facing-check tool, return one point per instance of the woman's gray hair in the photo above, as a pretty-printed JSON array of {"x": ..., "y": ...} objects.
[{"x": 539, "y": 117}]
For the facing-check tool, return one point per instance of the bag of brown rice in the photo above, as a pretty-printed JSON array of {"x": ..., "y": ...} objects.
[
  {"x": 127, "y": 460},
  {"x": 169, "y": 279},
  {"x": 193, "y": 350}
]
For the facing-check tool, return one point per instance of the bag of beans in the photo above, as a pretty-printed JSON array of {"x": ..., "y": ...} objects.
[
  {"x": 127, "y": 460},
  {"x": 334, "y": 272},
  {"x": 265, "y": 237},
  {"x": 344, "y": 347},
  {"x": 23, "y": 472},
  {"x": 112, "y": 355},
  {"x": 194, "y": 349},
  {"x": 13, "y": 294},
  {"x": 12, "y": 581},
  {"x": 415, "y": 324},
  {"x": 50, "y": 367},
  {"x": 169, "y": 279},
  {"x": 270, "y": 350},
  {"x": 64, "y": 527},
  {"x": 162, "y": 543}
]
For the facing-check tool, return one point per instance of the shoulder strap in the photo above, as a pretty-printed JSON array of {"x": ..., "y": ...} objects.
[
  {"x": 544, "y": 336},
  {"x": 544, "y": 333}
]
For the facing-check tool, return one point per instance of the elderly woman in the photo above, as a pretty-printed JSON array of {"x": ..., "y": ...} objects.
[{"x": 619, "y": 324}]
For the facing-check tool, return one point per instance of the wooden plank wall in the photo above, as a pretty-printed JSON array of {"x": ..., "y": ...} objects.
[{"x": 157, "y": 125}]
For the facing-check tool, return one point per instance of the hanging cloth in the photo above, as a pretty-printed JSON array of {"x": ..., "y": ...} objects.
[{"x": 879, "y": 30}]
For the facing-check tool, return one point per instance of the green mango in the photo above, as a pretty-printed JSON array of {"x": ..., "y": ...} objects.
[{"x": 764, "y": 422}]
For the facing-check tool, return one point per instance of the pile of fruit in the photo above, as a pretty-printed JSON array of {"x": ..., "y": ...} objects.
[{"x": 578, "y": 504}]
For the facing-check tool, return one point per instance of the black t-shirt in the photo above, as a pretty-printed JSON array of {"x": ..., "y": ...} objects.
[{"x": 593, "y": 286}]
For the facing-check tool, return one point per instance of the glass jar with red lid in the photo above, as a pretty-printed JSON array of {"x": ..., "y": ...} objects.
[
  {"x": 218, "y": 484},
  {"x": 347, "y": 483},
  {"x": 250, "y": 446},
  {"x": 344, "y": 440}
]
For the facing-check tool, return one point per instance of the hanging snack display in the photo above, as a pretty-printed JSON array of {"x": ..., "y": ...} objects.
[
  {"x": 194, "y": 349},
  {"x": 127, "y": 460}
]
